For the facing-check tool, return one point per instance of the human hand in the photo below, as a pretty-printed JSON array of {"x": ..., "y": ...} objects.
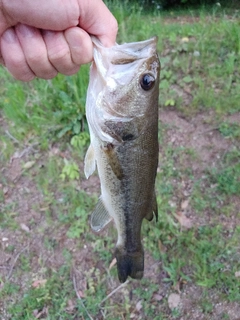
[{"x": 43, "y": 37}]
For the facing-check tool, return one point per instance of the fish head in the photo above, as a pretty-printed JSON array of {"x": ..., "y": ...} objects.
[{"x": 125, "y": 80}]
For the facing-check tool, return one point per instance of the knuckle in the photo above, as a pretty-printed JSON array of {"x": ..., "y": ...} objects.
[
  {"x": 14, "y": 62},
  {"x": 35, "y": 58},
  {"x": 71, "y": 70},
  {"x": 24, "y": 76},
  {"x": 40, "y": 65},
  {"x": 18, "y": 67},
  {"x": 59, "y": 56},
  {"x": 47, "y": 75}
]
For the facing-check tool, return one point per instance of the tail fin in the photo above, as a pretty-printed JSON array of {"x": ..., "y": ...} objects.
[{"x": 129, "y": 264}]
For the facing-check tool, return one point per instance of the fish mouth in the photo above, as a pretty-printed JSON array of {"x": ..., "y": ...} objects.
[
  {"x": 124, "y": 54},
  {"x": 130, "y": 52}
]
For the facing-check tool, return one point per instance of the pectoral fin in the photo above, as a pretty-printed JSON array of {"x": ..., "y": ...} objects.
[
  {"x": 89, "y": 162},
  {"x": 100, "y": 217}
]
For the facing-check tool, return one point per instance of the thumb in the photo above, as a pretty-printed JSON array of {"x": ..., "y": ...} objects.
[{"x": 97, "y": 20}]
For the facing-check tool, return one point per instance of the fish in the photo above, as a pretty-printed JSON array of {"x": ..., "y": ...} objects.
[{"x": 122, "y": 115}]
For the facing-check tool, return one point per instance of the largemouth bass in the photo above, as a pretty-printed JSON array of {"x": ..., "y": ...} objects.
[{"x": 122, "y": 113}]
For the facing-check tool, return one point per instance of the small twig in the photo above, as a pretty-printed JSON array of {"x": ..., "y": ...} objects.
[
  {"x": 75, "y": 288},
  {"x": 11, "y": 137},
  {"x": 15, "y": 261},
  {"x": 114, "y": 291},
  {"x": 28, "y": 149},
  {"x": 208, "y": 130}
]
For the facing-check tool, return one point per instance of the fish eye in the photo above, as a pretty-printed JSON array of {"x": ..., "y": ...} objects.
[{"x": 147, "y": 81}]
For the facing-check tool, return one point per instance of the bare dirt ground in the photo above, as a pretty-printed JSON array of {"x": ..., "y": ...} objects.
[{"x": 21, "y": 193}]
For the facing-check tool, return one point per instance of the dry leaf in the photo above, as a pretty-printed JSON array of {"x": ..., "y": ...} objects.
[
  {"x": 28, "y": 164},
  {"x": 184, "y": 221},
  {"x": 43, "y": 312},
  {"x": 161, "y": 247},
  {"x": 113, "y": 263},
  {"x": 35, "y": 312},
  {"x": 70, "y": 306},
  {"x": 54, "y": 151},
  {"x": 177, "y": 286},
  {"x": 5, "y": 190},
  {"x": 139, "y": 305},
  {"x": 184, "y": 204},
  {"x": 157, "y": 297},
  {"x": 173, "y": 300},
  {"x": 39, "y": 283},
  {"x": 185, "y": 39},
  {"x": 237, "y": 274},
  {"x": 196, "y": 53},
  {"x": 24, "y": 227},
  {"x": 81, "y": 294}
]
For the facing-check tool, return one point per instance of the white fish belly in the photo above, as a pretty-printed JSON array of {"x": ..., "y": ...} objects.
[{"x": 111, "y": 197}]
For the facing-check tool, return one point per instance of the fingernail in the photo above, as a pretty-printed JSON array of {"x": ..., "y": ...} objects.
[
  {"x": 25, "y": 31},
  {"x": 9, "y": 36}
]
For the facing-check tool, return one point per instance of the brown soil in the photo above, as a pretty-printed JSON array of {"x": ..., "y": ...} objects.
[{"x": 20, "y": 192}]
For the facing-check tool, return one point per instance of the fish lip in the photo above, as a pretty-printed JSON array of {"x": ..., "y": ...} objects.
[
  {"x": 140, "y": 45},
  {"x": 121, "y": 54}
]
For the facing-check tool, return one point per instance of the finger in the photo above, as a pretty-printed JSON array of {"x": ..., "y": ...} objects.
[
  {"x": 80, "y": 45},
  {"x": 59, "y": 52},
  {"x": 45, "y": 14},
  {"x": 13, "y": 56},
  {"x": 35, "y": 51},
  {"x": 97, "y": 20}
]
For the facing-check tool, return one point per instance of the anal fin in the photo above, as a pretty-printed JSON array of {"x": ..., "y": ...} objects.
[
  {"x": 100, "y": 217},
  {"x": 149, "y": 216},
  {"x": 155, "y": 206},
  {"x": 154, "y": 210}
]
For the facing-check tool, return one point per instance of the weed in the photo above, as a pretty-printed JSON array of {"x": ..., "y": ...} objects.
[
  {"x": 70, "y": 170},
  {"x": 200, "y": 60},
  {"x": 80, "y": 141},
  {"x": 230, "y": 130},
  {"x": 227, "y": 178},
  {"x": 49, "y": 298},
  {"x": 78, "y": 227}
]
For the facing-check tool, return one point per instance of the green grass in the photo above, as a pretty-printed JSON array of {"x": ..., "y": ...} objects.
[{"x": 200, "y": 56}]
